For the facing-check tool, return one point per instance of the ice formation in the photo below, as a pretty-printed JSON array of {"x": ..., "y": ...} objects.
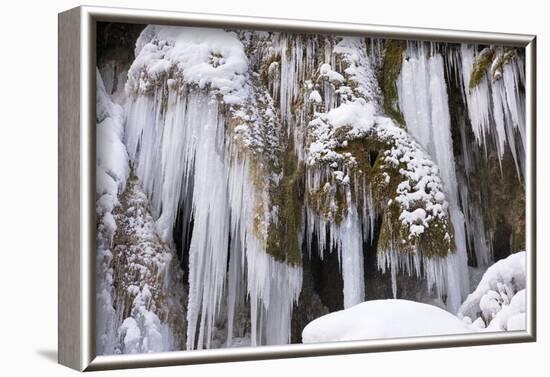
[
  {"x": 495, "y": 106},
  {"x": 137, "y": 313},
  {"x": 250, "y": 151},
  {"x": 183, "y": 156},
  {"x": 424, "y": 102},
  {"x": 414, "y": 191}
]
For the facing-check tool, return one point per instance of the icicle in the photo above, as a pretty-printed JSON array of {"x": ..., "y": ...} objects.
[
  {"x": 291, "y": 62},
  {"x": 434, "y": 269},
  {"x": 187, "y": 159},
  {"x": 495, "y": 106},
  {"x": 348, "y": 240},
  {"x": 423, "y": 100},
  {"x": 272, "y": 286},
  {"x": 235, "y": 289},
  {"x": 477, "y": 98}
]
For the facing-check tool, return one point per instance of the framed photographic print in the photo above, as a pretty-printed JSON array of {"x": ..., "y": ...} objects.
[{"x": 235, "y": 188}]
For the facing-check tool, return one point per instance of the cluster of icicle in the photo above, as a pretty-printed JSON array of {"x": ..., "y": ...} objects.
[
  {"x": 356, "y": 114},
  {"x": 193, "y": 110},
  {"x": 424, "y": 103},
  {"x": 137, "y": 297},
  {"x": 495, "y": 109},
  {"x": 496, "y": 112}
]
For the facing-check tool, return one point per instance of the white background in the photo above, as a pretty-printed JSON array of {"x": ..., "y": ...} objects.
[{"x": 28, "y": 186}]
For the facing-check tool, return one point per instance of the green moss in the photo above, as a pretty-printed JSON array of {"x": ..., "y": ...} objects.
[
  {"x": 437, "y": 240},
  {"x": 392, "y": 235},
  {"x": 132, "y": 263},
  {"x": 283, "y": 240},
  {"x": 518, "y": 238},
  {"x": 503, "y": 201},
  {"x": 502, "y": 59},
  {"x": 275, "y": 171},
  {"x": 508, "y": 55},
  {"x": 391, "y": 67},
  {"x": 482, "y": 63},
  {"x": 164, "y": 103},
  {"x": 330, "y": 202},
  {"x": 266, "y": 77}
]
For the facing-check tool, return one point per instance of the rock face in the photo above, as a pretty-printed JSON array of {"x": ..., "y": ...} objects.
[
  {"x": 115, "y": 53},
  {"x": 147, "y": 280},
  {"x": 295, "y": 175},
  {"x": 139, "y": 287}
]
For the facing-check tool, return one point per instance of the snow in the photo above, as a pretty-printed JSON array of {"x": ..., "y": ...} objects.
[
  {"x": 500, "y": 295},
  {"x": 129, "y": 330},
  {"x": 203, "y": 57},
  {"x": 111, "y": 155},
  {"x": 360, "y": 70},
  {"x": 112, "y": 170},
  {"x": 333, "y": 76},
  {"x": 142, "y": 330},
  {"x": 358, "y": 115},
  {"x": 509, "y": 317},
  {"x": 357, "y": 119},
  {"x": 314, "y": 96},
  {"x": 383, "y": 319},
  {"x": 499, "y": 300}
]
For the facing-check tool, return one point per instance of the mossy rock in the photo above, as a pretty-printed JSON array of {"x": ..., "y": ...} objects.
[
  {"x": 481, "y": 65},
  {"x": 383, "y": 178},
  {"x": 283, "y": 239},
  {"x": 391, "y": 68},
  {"x": 505, "y": 57}
]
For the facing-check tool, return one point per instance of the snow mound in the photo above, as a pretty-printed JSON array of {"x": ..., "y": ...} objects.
[
  {"x": 499, "y": 299},
  {"x": 380, "y": 319},
  {"x": 206, "y": 58}
]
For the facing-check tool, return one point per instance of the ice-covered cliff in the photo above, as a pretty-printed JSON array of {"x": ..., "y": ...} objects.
[{"x": 275, "y": 177}]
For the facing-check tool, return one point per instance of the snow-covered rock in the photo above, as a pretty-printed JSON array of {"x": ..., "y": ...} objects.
[
  {"x": 193, "y": 56},
  {"x": 129, "y": 253},
  {"x": 112, "y": 170},
  {"x": 499, "y": 299}
]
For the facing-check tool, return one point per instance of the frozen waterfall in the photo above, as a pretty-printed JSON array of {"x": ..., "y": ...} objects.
[{"x": 258, "y": 163}]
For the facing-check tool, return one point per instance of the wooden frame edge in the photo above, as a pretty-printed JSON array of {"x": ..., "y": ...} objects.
[{"x": 69, "y": 256}]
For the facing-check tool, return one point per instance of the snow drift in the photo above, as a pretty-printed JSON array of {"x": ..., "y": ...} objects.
[{"x": 383, "y": 319}]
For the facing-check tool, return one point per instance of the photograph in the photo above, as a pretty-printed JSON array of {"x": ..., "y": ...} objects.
[
  {"x": 274, "y": 189},
  {"x": 257, "y": 188}
]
